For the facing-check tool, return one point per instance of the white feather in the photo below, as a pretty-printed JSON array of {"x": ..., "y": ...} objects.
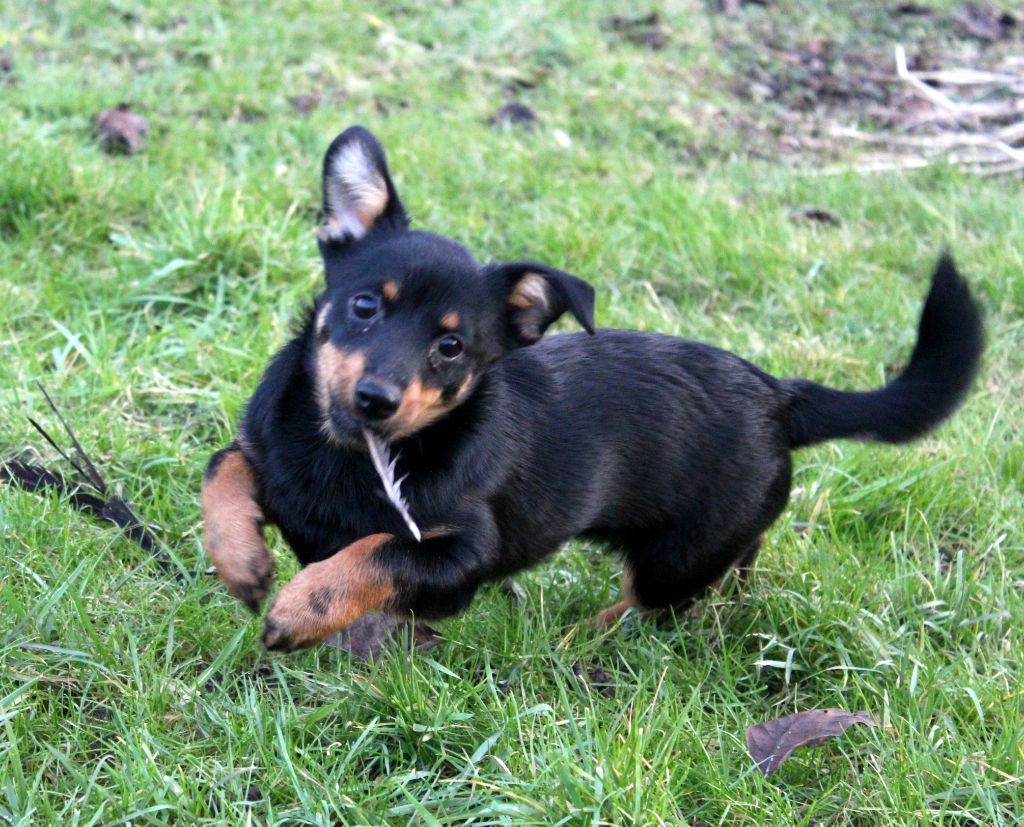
[{"x": 380, "y": 453}]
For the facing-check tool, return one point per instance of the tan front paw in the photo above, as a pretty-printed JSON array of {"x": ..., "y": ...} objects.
[
  {"x": 247, "y": 572},
  {"x": 301, "y": 615},
  {"x": 328, "y": 596}
]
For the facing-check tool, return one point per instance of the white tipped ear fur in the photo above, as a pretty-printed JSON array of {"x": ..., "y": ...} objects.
[
  {"x": 357, "y": 189},
  {"x": 355, "y": 194}
]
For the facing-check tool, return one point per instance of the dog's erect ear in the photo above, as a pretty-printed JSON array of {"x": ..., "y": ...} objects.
[
  {"x": 535, "y": 295},
  {"x": 358, "y": 192}
]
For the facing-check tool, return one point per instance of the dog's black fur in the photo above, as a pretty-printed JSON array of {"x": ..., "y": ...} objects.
[{"x": 676, "y": 453}]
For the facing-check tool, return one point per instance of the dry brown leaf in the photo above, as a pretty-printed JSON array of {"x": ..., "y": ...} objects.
[
  {"x": 818, "y": 214},
  {"x": 121, "y": 130},
  {"x": 514, "y": 114},
  {"x": 772, "y": 742},
  {"x": 372, "y": 633},
  {"x": 306, "y": 102},
  {"x": 595, "y": 678}
]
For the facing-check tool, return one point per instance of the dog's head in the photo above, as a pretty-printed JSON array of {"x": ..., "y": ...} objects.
[{"x": 410, "y": 320}]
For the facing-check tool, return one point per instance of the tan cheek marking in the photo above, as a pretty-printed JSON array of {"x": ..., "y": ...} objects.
[
  {"x": 231, "y": 529},
  {"x": 389, "y": 290},
  {"x": 330, "y": 595},
  {"x": 337, "y": 372},
  {"x": 420, "y": 406},
  {"x": 607, "y": 618},
  {"x": 450, "y": 321}
]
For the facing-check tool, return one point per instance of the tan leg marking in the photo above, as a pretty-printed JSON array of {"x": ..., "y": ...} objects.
[
  {"x": 328, "y": 596},
  {"x": 232, "y": 535},
  {"x": 607, "y": 618}
]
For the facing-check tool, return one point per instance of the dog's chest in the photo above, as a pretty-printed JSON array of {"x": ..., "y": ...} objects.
[{"x": 321, "y": 506}]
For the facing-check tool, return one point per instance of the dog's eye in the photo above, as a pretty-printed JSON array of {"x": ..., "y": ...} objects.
[
  {"x": 365, "y": 306},
  {"x": 450, "y": 347}
]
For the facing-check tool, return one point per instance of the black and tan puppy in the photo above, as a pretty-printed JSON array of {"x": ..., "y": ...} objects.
[{"x": 675, "y": 453}]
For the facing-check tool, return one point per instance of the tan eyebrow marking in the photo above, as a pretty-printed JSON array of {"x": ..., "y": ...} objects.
[
  {"x": 390, "y": 290},
  {"x": 450, "y": 320}
]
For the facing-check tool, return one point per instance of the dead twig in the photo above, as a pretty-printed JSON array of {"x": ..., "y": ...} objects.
[
  {"x": 89, "y": 494},
  {"x": 981, "y": 140}
]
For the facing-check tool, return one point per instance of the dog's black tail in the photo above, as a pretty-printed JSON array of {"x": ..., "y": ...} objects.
[{"x": 941, "y": 370}]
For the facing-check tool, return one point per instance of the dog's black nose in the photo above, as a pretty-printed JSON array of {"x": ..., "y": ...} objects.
[{"x": 376, "y": 399}]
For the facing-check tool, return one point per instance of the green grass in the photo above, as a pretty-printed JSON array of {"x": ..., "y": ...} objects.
[{"x": 148, "y": 292}]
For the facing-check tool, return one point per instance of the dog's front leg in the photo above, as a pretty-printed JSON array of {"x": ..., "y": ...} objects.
[
  {"x": 326, "y": 597},
  {"x": 233, "y": 526},
  {"x": 380, "y": 573}
]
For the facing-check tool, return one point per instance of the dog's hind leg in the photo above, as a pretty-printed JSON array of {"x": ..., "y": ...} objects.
[
  {"x": 607, "y": 618},
  {"x": 747, "y": 559},
  {"x": 670, "y": 570},
  {"x": 233, "y": 526}
]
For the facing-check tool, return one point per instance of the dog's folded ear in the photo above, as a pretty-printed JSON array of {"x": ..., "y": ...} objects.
[
  {"x": 358, "y": 195},
  {"x": 535, "y": 295}
]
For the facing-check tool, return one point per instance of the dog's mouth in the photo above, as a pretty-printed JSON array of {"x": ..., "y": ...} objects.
[{"x": 345, "y": 428}]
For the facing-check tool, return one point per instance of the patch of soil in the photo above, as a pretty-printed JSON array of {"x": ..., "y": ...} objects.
[
  {"x": 801, "y": 88},
  {"x": 984, "y": 22},
  {"x": 645, "y": 30}
]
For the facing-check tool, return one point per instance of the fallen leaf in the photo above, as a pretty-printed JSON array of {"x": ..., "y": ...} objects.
[
  {"x": 306, "y": 102},
  {"x": 595, "y": 678},
  {"x": 121, "y": 130},
  {"x": 656, "y": 40},
  {"x": 514, "y": 114},
  {"x": 772, "y": 742},
  {"x": 89, "y": 493},
  {"x": 731, "y": 8},
  {"x": 372, "y": 633},
  {"x": 642, "y": 30},
  {"x": 818, "y": 214},
  {"x": 623, "y": 23},
  {"x": 914, "y": 10}
]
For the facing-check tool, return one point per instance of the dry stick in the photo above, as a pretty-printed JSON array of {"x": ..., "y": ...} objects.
[
  {"x": 939, "y": 143},
  {"x": 929, "y": 92},
  {"x": 1011, "y": 133},
  {"x": 111, "y": 508},
  {"x": 988, "y": 152},
  {"x": 967, "y": 77},
  {"x": 91, "y": 473}
]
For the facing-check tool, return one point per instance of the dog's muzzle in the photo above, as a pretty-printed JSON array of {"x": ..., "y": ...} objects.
[{"x": 376, "y": 399}]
